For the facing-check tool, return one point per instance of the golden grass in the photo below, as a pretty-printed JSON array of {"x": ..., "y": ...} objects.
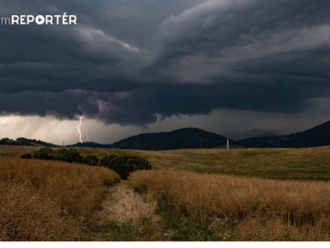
[
  {"x": 47, "y": 200},
  {"x": 257, "y": 209}
]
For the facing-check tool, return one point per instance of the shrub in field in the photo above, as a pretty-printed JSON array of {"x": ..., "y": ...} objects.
[
  {"x": 124, "y": 165},
  {"x": 26, "y": 156},
  {"x": 70, "y": 155},
  {"x": 107, "y": 160},
  {"x": 91, "y": 160},
  {"x": 45, "y": 153}
]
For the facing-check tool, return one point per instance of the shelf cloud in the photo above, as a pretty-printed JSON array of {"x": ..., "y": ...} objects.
[{"x": 131, "y": 62}]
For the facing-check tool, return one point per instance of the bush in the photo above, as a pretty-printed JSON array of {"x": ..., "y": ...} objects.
[
  {"x": 45, "y": 153},
  {"x": 124, "y": 165},
  {"x": 27, "y": 156},
  {"x": 107, "y": 160},
  {"x": 91, "y": 160},
  {"x": 70, "y": 155}
]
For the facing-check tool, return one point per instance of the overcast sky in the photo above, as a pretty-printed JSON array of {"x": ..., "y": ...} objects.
[{"x": 133, "y": 66}]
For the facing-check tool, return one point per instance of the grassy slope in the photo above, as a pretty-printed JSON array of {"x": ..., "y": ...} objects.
[{"x": 283, "y": 164}]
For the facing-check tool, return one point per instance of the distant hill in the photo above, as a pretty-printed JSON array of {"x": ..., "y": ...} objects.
[
  {"x": 195, "y": 138},
  {"x": 90, "y": 144},
  {"x": 25, "y": 142},
  {"x": 186, "y": 138},
  {"x": 317, "y": 136},
  {"x": 251, "y": 133}
]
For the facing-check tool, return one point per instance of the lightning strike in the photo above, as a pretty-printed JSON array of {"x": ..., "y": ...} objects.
[{"x": 78, "y": 129}]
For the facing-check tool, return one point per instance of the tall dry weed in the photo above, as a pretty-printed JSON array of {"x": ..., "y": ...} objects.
[
  {"x": 127, "y": 216},
  {"x": 127, "y": 207},
  {"x": 47, "y": 200}
]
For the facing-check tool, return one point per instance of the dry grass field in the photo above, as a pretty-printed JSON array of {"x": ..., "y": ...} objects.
[
  {"x": 234, "y": 208},
  {"x": 47, "y": 200},
  {"x": 242, "y": 194}
]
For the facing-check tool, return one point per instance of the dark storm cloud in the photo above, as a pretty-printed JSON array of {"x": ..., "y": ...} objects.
[{"x": 131, "y": 62}]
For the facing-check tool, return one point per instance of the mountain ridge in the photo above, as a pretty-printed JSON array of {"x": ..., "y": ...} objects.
[
  {"x": 25, "y": 142},
  {"x": 195, "y": 138},
  {"x": 184, "y": 138},
  {"x": 313, "y": 137},
  {"x": 252, "y": 133}
]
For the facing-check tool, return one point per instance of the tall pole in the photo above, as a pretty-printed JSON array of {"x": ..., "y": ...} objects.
[{"x": 227, "y": 144}]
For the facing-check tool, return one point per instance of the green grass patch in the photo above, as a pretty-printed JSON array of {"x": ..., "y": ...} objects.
[{"x": 306, "y": 164}]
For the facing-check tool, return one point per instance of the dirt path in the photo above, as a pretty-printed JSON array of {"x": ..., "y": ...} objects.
[{"x": 126, "y": 215}]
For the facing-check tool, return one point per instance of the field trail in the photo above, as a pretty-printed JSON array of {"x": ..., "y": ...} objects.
[{"x": 124, "y": 210}]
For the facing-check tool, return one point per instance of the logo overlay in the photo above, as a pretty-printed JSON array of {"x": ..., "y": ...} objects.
[{"x": 64, "y": 19}]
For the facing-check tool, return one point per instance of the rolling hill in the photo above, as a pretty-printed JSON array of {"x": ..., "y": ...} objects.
[
  {"x": 254, "y": 133},
  {"x": 195, "y": 138},
  {"x": 186, "y": 138},
  {"x": 25, "y": 142},
  {"x": 90, "y": 144},
  {"x": 317, "y": 136}
]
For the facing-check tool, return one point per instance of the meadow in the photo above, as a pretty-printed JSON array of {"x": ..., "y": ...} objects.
[
  {"x": 214, "y": 194},
  {"x": 306, "y": 164}
]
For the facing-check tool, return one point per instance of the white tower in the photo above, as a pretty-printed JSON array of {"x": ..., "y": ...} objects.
[{"x": 227, "y": 144}]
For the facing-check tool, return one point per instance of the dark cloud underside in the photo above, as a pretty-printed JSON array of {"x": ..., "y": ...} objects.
[{"x": 129, "y": 62}]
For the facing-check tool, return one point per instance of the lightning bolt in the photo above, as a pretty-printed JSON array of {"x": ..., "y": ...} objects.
[{"x": 78, "y": 129}]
